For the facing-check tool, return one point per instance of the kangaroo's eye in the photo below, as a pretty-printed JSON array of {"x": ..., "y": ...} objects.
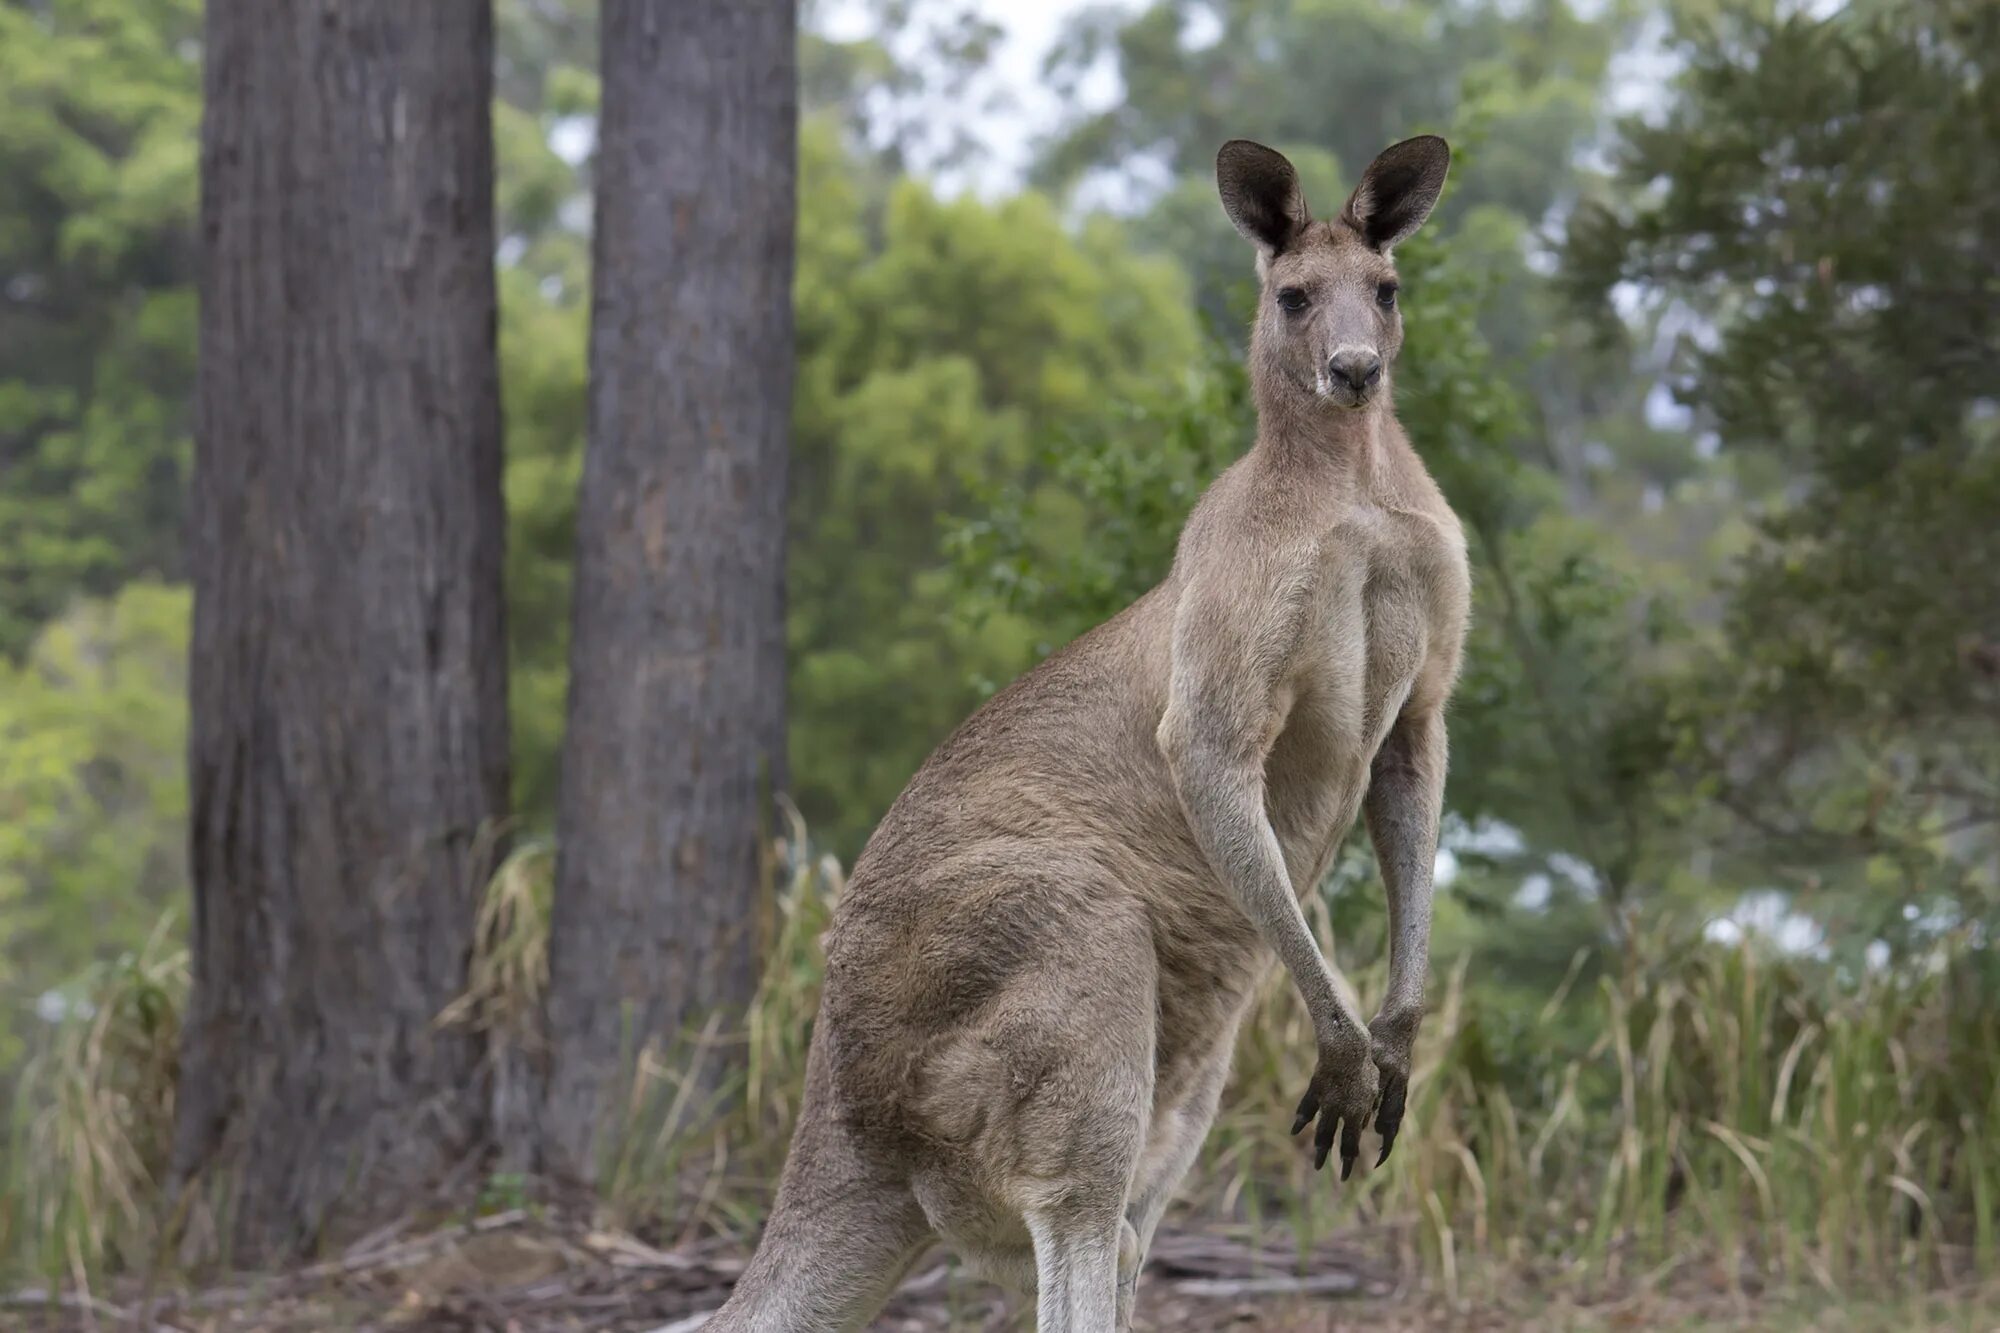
[
  {"x": 1292, "y": 300},
  {"x": 1385, "y": 295}
]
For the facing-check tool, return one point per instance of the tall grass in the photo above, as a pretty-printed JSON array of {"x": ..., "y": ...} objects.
[
  {"x": 1761, "y": 1121},
  {"x": 1726, "y": 1116}
]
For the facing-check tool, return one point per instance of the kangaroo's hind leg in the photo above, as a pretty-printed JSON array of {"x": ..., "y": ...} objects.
[
  {"x": 844, "y": 1230},
  {"x": 1076, "y": 1266},
  {"x": 1171, "y": 1148},
  {"x": 1046, "y": 1093},
  {"x": 1080, "y": 1136}
]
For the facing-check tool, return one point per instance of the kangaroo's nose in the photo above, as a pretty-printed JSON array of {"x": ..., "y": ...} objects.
[{"x": 1356, "y": 369}]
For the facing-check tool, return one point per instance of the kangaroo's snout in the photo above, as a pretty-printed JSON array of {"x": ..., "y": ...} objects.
[{"x": 1351, "y": 375}]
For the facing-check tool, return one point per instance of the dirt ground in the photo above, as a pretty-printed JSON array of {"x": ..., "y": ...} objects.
[{"x": 513, "y": 1273}]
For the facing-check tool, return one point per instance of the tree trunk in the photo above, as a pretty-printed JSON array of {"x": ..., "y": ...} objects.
[
  {"x": 676, "y": 726},
  {"x": 348, "y": 727}
]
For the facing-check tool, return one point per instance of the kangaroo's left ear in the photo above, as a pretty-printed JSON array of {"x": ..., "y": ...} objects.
[{"x": 1398, "y": 189}]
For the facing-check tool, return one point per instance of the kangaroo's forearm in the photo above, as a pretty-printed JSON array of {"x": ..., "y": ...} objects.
[
  {"x": 1405, "y": 797},
  {"x": 1225, "y": 809}
]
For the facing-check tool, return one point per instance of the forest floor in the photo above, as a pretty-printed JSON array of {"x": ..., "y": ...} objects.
[{"x": 513, "y": 1273}]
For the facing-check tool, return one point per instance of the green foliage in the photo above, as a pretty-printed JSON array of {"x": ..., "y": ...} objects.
[
  {"x": 100, "y": 100},
  {"x": 939, "y": 342},
  {"x": 542, "y": 377},
  {"x": 932, "y": 361},
  {"x": 1073, "y": 541},
  {"x": 1265, "y": 68},
  {"x": 93, "y": 792},
  {"x": 1724, "y": 1104}
]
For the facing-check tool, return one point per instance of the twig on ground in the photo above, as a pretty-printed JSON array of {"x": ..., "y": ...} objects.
[
  {"x": 36, "y": 1297},
  {"x": 687, "y": 1325},
  {"x": 1320, "y": 1284},
  {"x": 392, "y": 1256}
]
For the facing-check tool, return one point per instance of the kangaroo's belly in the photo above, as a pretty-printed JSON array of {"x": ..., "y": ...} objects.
[
  {"x": 1372, "y": 630},
  {"x": 1315, "y": 784}
]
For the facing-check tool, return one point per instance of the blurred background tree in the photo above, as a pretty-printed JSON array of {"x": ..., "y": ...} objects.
[{"x": 1819, "y": 213}]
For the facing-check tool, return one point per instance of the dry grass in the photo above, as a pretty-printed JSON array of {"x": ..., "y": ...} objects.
[
  {"x": 508, "y": 975},
  {"x": 93, "y": 1123},
  {"x": 1747, "y": 1119}
]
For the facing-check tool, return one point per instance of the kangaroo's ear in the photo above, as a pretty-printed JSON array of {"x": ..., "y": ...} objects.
[
  {"x": 1260, "y": 192},
  {"x": 1398, "y": 189}
]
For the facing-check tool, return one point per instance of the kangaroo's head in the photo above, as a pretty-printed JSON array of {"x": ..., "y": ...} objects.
[{"x": 1328, "y": 326}]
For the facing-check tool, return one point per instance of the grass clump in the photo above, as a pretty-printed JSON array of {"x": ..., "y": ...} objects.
[{"x": 92, "y": 1127}]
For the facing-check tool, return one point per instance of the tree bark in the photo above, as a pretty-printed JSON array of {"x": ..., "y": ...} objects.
[
  {"x": 348, "y": 729},
  {"x": 676, "y": 731}
]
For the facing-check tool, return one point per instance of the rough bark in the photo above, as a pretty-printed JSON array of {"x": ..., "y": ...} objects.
[
  {"x": 676, "y": 730},
  {"x": 348, "y": 726}
]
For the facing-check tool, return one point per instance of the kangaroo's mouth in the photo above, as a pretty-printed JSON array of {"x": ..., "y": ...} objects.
[{"x": 1338, "y": 392}]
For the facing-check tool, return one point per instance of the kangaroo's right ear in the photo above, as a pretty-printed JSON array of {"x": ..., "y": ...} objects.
[{"x": 1260, "y": 192}]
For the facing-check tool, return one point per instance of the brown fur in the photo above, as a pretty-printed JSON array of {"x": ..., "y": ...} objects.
[{"x": 1035, "y": 976}]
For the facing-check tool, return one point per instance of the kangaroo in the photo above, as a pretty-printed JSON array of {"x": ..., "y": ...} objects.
[{"x": 1036, "y": 972}]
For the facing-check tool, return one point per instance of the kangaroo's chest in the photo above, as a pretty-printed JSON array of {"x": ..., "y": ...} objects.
[{"x": 1387, "y": 610}]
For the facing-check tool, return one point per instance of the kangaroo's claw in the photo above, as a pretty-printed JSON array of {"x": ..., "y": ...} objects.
[
  {"x": 1389, "y": 1118},
  {"x": 1342, "y": 1096}
]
